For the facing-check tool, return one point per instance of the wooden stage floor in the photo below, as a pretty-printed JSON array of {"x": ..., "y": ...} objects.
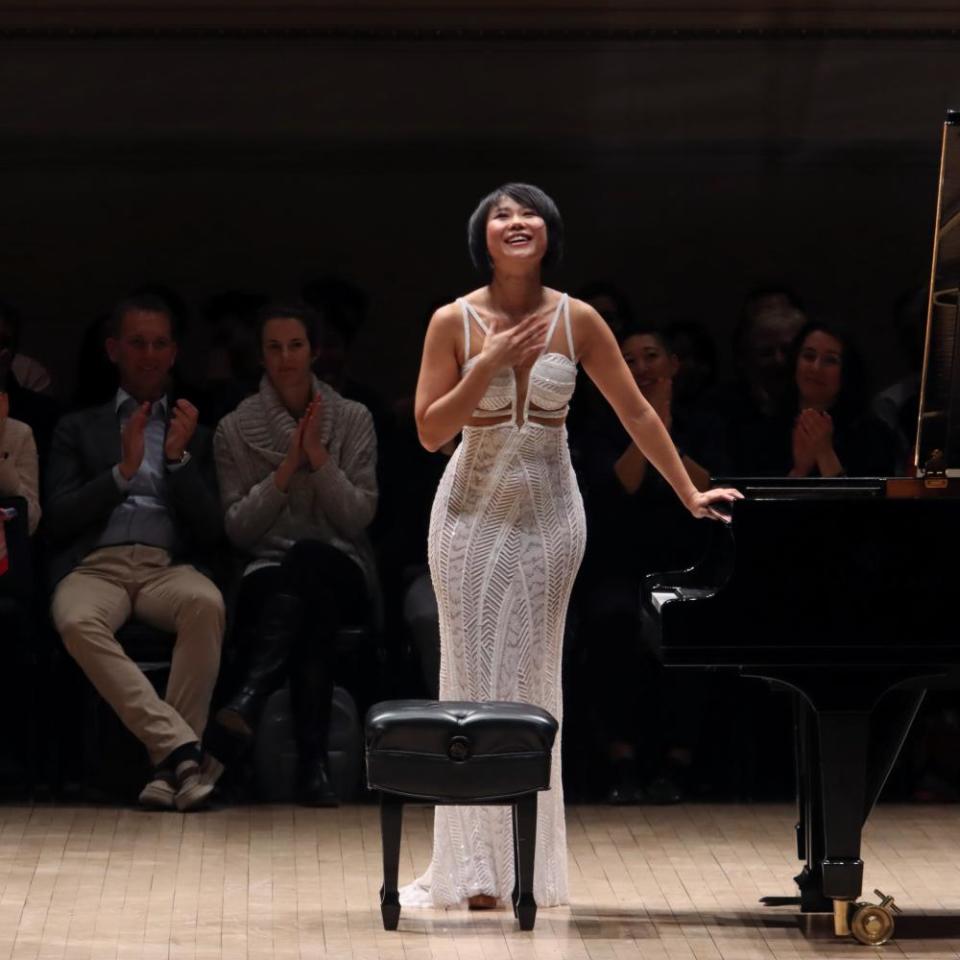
[{"x": 247, "y": 883}]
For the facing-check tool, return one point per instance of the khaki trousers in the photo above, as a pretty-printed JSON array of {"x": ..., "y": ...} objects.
[{"x": 108, "y": 587}]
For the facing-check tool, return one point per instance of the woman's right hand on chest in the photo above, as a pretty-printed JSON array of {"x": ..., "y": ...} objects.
[{"x": 516, "y": 346}]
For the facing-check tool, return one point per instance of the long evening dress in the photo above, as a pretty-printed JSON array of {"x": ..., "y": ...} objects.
[{"x": 507, "y": 534}]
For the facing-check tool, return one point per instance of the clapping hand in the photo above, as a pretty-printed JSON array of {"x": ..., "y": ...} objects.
[
  {"x": 305, "y": 446},
  {"x": 314, "y": 449},
  {"x": 183, "y": 425},
  {"x": 812, "y": 441}
]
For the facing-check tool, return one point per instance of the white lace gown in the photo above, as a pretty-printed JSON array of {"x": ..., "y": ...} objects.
[{"x": 507, "y": 534}]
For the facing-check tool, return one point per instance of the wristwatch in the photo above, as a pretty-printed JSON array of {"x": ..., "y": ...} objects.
[{"x": 181, "y": 461}]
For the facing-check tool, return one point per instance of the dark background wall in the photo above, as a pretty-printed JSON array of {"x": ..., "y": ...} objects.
[{"x": 689, "y": 165}]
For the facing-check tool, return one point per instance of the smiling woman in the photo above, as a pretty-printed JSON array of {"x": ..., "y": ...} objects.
[
  {"x": 507, "y": 530},
  {"x": 824, "y": 427}
]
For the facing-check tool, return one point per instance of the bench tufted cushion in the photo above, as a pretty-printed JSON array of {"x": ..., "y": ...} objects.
[{"x": 449, "y": 751}]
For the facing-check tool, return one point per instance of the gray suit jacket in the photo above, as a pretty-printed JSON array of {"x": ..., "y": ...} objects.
[{"x": 81, "y": 491}]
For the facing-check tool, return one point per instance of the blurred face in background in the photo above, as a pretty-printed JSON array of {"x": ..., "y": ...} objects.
[
  {"x": 819, "y": 373},
  {"x": 287, "y": 354},
  {"x": 766, "y": 348},
  {"x": 144, "y": 351},
  {"x": 648, "y": 360}
]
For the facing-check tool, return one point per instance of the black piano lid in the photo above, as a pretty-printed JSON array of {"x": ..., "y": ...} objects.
[{"x": 804, "y": 488}]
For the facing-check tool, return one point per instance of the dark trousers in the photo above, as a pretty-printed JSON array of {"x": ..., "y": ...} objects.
[{"x": 331, "y": 591}]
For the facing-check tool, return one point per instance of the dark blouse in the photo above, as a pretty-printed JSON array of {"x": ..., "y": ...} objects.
[
  {"x": 864, "y": 444},
  {"x": 649, "y": 530}
]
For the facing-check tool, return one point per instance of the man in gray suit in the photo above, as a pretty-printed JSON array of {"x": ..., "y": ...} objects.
[{"x": 127, "y": 503}]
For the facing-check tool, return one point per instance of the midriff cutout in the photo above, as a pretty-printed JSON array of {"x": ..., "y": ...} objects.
[{"x": 508, "y": 418}]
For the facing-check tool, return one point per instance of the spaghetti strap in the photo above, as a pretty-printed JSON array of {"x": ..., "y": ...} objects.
[
  {"x": 553, "y": 325},
  {"x": 466, "y": 328},
  {"x": 476, "y": 316},
  {"x": 566, "y": 326}
]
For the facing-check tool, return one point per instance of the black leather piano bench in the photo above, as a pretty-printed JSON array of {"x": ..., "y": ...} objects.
[{"x": 459, "y": 753}]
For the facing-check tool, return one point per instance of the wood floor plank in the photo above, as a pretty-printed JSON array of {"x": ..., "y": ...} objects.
[{"x": 289, "y": 883}]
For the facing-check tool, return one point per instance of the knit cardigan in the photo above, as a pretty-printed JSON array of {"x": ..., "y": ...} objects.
[{"x": 333, "y": 504}]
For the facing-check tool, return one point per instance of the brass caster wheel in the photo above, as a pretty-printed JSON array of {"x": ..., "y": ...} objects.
[{"x": 872, "y": 923}]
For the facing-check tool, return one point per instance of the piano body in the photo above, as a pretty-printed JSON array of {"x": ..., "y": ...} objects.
[{"x": 838, "y": 590}]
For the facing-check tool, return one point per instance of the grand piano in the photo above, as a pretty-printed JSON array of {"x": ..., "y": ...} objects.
[{"x": 855, "y": 632}]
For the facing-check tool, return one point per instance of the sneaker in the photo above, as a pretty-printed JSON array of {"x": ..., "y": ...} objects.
[
  {"x": 160, "y": 792},
  {"x": 211, "y": 769},
  {"x": 192, "y": 793}
]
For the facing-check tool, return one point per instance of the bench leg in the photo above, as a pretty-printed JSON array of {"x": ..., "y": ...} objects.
[
  {"x": 391, "y": 825},
  {"x": 525, "y": 848}
]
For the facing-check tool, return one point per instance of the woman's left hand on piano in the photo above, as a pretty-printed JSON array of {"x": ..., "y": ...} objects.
[{"x": 712, "y": 504}]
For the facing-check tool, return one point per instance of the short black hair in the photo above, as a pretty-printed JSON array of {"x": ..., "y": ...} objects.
[
  {"x": 645, "y": 330},
  {"x": 529, "y": 196},
  {"x": 147, "y": 301},
  {"x": 309, "y": 318}
]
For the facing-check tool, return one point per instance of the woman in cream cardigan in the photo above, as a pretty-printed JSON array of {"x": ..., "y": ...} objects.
[
  {"x": 296, "y": 463},
  {"x": 18, "y": 468}
]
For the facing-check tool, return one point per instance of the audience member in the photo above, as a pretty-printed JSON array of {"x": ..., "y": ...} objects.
[
  {"x": 769, "y": 320},
  {"x": 636, "y": 529},
  {"x": 127, "y": 505},
  {"x": 297, "y": 470},
  {"x": 825, "y": 428},
  {"x": 37, "y": 410},
  {"x": 19, "y": 467},
  {"x": 97, "y": 378}
]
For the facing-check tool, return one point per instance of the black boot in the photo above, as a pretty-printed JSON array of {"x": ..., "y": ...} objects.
[
  {"x": 311, "y": 691},
  {"x": 280, "y": 624}
]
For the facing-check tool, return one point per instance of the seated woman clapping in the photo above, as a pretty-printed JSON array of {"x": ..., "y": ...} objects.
[
  {"x": 296, "y": 464},
  {"x": 825, "y": 428}
]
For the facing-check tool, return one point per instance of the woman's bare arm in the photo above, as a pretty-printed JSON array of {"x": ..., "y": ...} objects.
[
  {"x": 603, "y": 363},
  {"x": 444, "y": 402}
]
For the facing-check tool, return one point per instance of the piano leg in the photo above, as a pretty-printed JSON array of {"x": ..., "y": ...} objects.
[
  {"x": 800, "y": 710},
  {"x": 844, "y": 736},
  {"x": 810, "y": 828}
]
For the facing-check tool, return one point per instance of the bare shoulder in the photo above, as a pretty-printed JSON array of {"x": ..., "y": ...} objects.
[
  {"x": 445, "y": 334},
  {"x": 446, "y": 320},
  {"x": 586, "y": 325}
]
